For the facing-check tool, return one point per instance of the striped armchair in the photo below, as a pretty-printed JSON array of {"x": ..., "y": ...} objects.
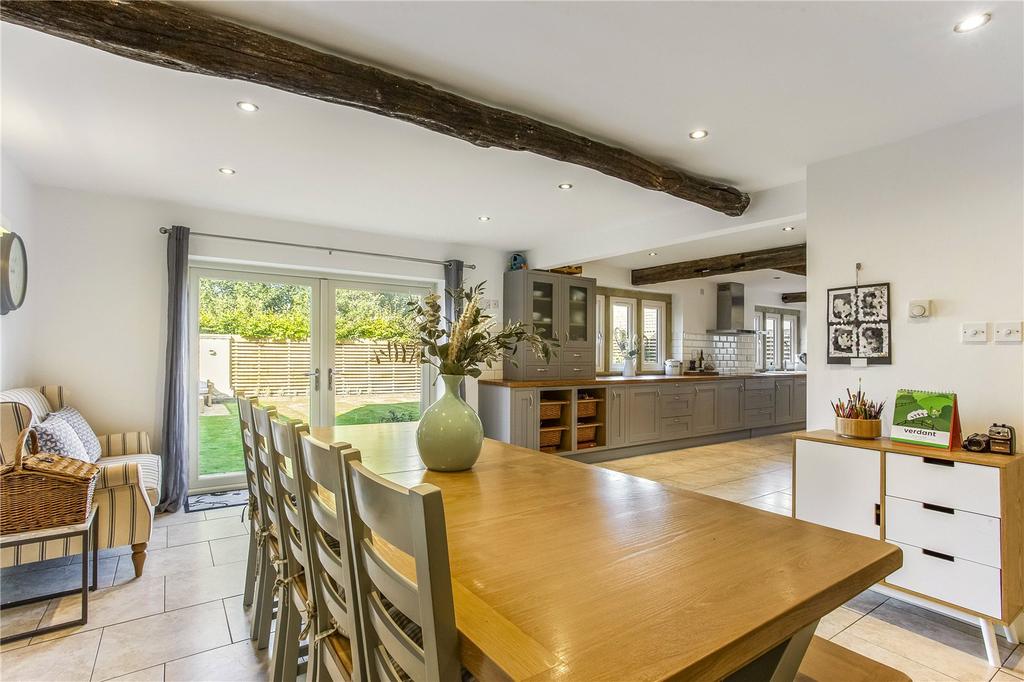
[{"x": 127, "y": 490}]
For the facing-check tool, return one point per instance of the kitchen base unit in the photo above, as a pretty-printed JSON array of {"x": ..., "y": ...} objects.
[
  {"x": 610, "y": 418},
  {"x": 958, "y": 516}
]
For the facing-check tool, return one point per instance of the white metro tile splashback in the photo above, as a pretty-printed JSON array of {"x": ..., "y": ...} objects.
[{"x": 731, "y": 353}]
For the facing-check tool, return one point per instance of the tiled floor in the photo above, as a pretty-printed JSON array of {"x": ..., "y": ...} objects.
[
  {"x": 925, "y": 645},
  {"x": 183, "y": 620}
]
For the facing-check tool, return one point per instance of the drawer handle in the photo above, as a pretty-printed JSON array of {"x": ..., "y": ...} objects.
[
  {"x": 541, "y": 369},
  {"x": 938, "y": 508},
  {"x": 938, "y": 462},
  {"x": 938, "y": 555},
  {"x": 576, "y": 369}
]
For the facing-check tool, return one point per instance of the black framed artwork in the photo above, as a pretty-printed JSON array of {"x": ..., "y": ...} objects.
[{"x": 858, "y": 324}]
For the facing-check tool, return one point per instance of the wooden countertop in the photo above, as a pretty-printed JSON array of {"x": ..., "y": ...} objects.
[
  {"x": 616, "y": 380},
  {"x": 562, "y": 570},
  {"x": 886, "y": 445}
]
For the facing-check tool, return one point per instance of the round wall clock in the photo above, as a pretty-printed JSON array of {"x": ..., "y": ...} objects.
[{"x": 13, "y": 272}]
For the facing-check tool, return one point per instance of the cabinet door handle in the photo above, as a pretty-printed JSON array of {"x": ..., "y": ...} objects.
[
  {"x": 938, "y": 555},
  {"x": 878, "y": 515},
  {"x": 938, "y": 508},
  {"x": 541, "y": 370},
  {"x": 939, "y": 462},
  {"x": 531, "y": 400}
]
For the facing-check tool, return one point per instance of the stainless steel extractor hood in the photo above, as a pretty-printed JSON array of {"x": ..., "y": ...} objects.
[{"x": 730, "y": 310}]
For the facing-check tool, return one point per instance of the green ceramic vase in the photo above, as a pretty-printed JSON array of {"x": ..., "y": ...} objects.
[{"x": 450, "y": 434}]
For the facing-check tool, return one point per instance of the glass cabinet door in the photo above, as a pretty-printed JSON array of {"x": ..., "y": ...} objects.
[
  {"x": 543, "y": 307},
  {"x": 579, "y": 315}
]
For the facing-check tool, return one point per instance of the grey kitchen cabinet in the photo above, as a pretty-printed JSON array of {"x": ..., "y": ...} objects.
[
  {"x": 800, "y": 399},
  {"x": 644, "y": 414},
  {"x": 705, "y": 416},
  {"x": 783, "y": 401},
  {"x": 729, "y": 405},
  {"x": 558, "y": 308},
  {"x": 525, "y": 425},
  {"x": 616, "y": 417}
]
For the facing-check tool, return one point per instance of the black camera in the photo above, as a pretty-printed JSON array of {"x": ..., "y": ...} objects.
[{"x": 977, "y": 442}]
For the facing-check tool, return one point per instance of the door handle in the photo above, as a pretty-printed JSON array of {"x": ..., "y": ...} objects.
[
  {"x": 531, "y": 399},
  {"x": 316, "y": 378},
  {"x": 330, "y": 378}
]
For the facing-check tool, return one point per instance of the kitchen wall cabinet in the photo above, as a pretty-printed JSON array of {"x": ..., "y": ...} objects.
[
  {"x": 783, "y": 401},
  {"x": 705, "y": 415},
  {"x": 644, "y": 414},
  {"x": 729, "y": 405},
  {"x": 617, "y": 416},
  {"x": 559, "y": 308}
]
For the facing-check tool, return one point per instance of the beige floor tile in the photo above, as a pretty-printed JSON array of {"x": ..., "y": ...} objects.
[
  {"x": 213, "y": 529},
  {"x": 1014, "y": 663},
  {"x": 177, "y": 518},
  {"x": 866, "y": 601},
  {"x": 21, "y": 619},
  {"x": 835, "y": 622},
  {"x": 226, "y": 513},
  {"x": 205, "y": 584},
  {"x": 743, "y": 489},
  {"x": 916, "y": 671},
  {"x": 166, "y": 561},
  {"x": 928, "y": 643},
  {"x": 230, "y": 550},
  {"x": 239, "y": 621},
  {"x": 109, "y": 606},
  {"x": 150, "y": 641},
  {"x": 777, "y": 499},
  {"x": 1004, "y": 676},
  {"x": 157, "y": 540},
  {"x": 154, "y": 674},
  {"x": 767, "y": 507},
  {"x": 240, "y": 662},
  {"x": 70, "y": 658}
]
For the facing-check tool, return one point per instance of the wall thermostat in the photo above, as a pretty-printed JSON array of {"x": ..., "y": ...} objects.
[{"x": 919, "y": 309}]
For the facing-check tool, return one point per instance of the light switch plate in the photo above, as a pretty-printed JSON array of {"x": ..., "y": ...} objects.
[
  {"x": 974, "y": 332},
  {"x": 1006, "y": 332}
]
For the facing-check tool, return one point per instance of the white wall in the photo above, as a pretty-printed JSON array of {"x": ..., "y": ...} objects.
[
  {"x": 100, "y": 289},
  {"x": 939, "y": 216},
  {"x": 17, "y": 201}
]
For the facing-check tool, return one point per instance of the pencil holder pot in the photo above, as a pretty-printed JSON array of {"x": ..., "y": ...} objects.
[{"x": 859, "y": 428}]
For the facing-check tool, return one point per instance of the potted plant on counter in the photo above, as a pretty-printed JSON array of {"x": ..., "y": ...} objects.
[
  {"x": 629, "y": 348},
  {"x": 450, "y": 435},
  {"x": 857, "y": 417}
]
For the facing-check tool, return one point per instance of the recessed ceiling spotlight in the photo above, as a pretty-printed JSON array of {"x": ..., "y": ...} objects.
[
  {"x": 788, "y": 228},
  {"x": 972, "y": 22},
  {"x": 483, "y": 218},
  {"x": 705, "y": 270},
  {"x": 247, "y": 107},
  {"x": 652, "y": 253},
  {"x": 698, "y": 134},
  {"x": 227, "y": 171},
  {"x": 565, "y": 185}
]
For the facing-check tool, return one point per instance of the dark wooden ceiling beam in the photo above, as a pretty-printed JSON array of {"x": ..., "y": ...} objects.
[
  {"x": 795, "y": 297},
  {"x": 791, "y": 259},
  {"x": 181, "y": 38}
]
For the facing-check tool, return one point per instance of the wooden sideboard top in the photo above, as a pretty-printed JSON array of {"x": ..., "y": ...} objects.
[
  {"x": 886, "y": 445},
  {"x": 616, "y": 380}
]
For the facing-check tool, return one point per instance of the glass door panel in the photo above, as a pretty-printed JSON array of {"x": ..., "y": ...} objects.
[
  {"x": 252, "y": 334},
  {"x": 543, "y": 306},
  {"x": 579, "y": 325},
  {"x": 368, "y": 383}
]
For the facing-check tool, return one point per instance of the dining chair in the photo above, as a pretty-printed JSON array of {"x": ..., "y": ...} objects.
[
  {"x": 293, "y": 596},
  {"x": 269, "y": 555},
  {"x": 408, "y": 628},
  {"x": 336, "y": 647},
  {"x": 245, "y": 423}
]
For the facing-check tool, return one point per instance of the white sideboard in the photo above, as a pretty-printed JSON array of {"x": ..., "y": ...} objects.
[{"x": 956, "y": 515}]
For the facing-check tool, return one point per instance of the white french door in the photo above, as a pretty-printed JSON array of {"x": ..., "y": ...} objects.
[{"x": 313, "y": 347}]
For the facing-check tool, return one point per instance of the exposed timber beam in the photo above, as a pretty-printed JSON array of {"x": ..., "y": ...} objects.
[
  {"x": 792, "y": 259},
  {"x": 795, "y": 297},
  {"x": 184, "y": 39}
]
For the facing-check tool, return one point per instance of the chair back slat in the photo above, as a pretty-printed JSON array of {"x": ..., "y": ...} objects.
[
  {"x": 329, "y": 574},
  {"x": 262, "y": 417},
  {"x": 285, "y": 469},
  {"x": 422, "y": 641},
  {"x": 245, "y": 405}
]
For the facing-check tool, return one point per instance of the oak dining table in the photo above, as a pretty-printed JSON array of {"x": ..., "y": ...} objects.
[{"x": 566, "y": 571}]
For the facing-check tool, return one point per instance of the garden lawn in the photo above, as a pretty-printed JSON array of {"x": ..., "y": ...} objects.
[{"x": 220, "y": 440}]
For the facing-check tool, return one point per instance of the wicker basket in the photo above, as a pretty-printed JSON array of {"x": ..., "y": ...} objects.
[
  {"x": 586, "y": 432},
  {"x": 587, "y": 407},
  {"x": 551, "y": 409},
  {"x": 40, "y": 490},
  {"x": 551, "y": 436}
]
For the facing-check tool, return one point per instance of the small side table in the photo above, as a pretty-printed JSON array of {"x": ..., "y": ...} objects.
[{"x": 90, "y": 545}]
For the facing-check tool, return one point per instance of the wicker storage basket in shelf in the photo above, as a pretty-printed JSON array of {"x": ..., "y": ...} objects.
[
  {"x": 551, "y": 436},
  {"x": 586, "y": 432},
  {"x": 551, "y": 409},
  {"x": 587, "y": 407},
  {"x": 40, "y": 490}
]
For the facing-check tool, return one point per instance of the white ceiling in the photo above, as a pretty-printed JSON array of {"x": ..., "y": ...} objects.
[{"x": 779, "y": 85}]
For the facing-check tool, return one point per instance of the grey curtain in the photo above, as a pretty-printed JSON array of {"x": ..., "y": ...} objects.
[
  {"x": 175, "y": 440},
  {"x": 453, "y": 306}
]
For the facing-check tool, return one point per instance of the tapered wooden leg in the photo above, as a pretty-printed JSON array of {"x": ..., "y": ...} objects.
[{"x": 139, "y": 557}]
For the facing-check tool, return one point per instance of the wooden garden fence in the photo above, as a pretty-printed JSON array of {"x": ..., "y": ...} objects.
[{"x": 282, "y": 368}]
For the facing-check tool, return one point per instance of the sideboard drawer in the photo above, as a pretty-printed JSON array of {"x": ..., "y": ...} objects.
[
  {"x": 677, "y": 388},
  {"x": 676, "y": 405},
  {"x": 958, "y": 582},
  {"x": 962, "y": 534},
  {"x": 580, "y": 371},
  {"x": 760, "y": 384},
  {"x": 676, "y": 427},
  {"x": 575, "y": 357},
  {"x": 540, "y": 371},
  {"x": 968, "y": 487}
]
